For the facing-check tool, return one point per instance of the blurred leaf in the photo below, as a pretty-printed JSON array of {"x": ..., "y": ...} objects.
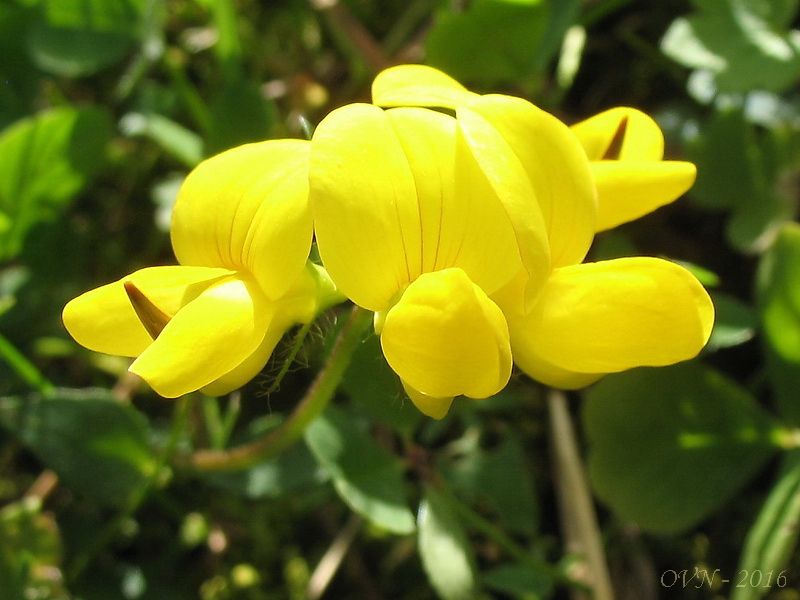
[
  {"x": 30, "y": 553},
  {"x": 498, "y": 477},
  {"x": 773, "y": 537},
  {"x": 175, "y": 139},
  {"x": 292, "y": 470},
  {"x": 367, "y": 477},
  {"x": 97, "y": 446},
  {"x": 19, "y": 78},
  {"x": 670, "y": 445},
  {"x": 735, "y": 323},
  {"x": 745, "y": 43},
  {"x": 520, "y": 581},
  {"x": 740, "y": 171},
  {"x": 444, "y": 549},
  {"x": 491, "y": 41},
  {"x": 240, "y": 113},
  {"x": 375, "y": 388},
  {"x": 44, "y": 162},
  {"x": 75, "y": 38},
  {"x": 778, "y": 302}
]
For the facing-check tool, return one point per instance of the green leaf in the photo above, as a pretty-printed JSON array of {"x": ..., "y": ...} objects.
[
  {"x": 376, "y": 390},
  {"x": 743, "y": 42},
  {"x": 668, "y": 446},
  {"x": 739, "y": 171},
  {"x": 295, "y": 469},
  {"x": 773, "y": 537},
  {"x": 498, "y": 477},
  {"x": 44, "y": 162},
  {"x": 462, "y": 45},
  {"x": 240, "y": 113},
  {"x": 444, "y": 548},
  {"x": 520, "y": 581},
  {"x": 367, "y": 477},
  {"x": 778, "y": 303},
  {"x": 30, "y": 546},
  {"x": 735, "y": 323},
  {"x": 76, "y": 38},
  {"x": 19, "y": 78},
  {"x": 98, "y": 447},
  {"x": 173, "y": 138}
]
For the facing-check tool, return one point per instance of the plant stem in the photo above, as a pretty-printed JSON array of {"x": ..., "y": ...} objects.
[
  {"x": 316, "y": 399},
  {"x": 23, "y": 367},
  {"x": 579, "y": 522}
]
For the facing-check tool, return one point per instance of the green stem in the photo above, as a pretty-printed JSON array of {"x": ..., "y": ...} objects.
[
  {"x": 316, "y": 399},
  {"x": 138, "y": 496},
  {"x": 296, "y": 345},
  {"x": 23, "y": 367},
  {"x": 579, "y": 522}
]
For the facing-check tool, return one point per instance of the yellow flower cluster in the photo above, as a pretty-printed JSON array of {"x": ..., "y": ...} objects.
[{"x": 461, "y": 220}]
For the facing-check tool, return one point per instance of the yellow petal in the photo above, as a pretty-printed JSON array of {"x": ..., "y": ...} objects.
[
  {"x": 445, "y": 338},
  {"x": 248, "y": 208},
  {"x": 613, "y": 315},
  {"x": 208, "y": 338},
  {"x": 365, "y": 208},
  {"x": 311, "y": 293},
  {"x": 555, "y": 164},
  {"x": 461, "y": 219},
  {"x": 418, "y": 85},
  {"x": 642, "y": 138},
  {"x": 629, "y": 189},
  {"x": 436, "y": 408},
  {"x": 252, "y": 365},
  {"x": 498, "y": 168},
  {"x": 104, "y": 320}
]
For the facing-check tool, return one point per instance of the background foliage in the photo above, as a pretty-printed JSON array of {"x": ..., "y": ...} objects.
[{"x": 104, "y": 107}]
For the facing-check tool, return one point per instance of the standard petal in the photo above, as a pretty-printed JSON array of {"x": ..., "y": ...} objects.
[
  {"x": 462, "y": 221},
  {"x": 488, "y": 162},
  {"x": 248, "y": 208},
  {"x": 365, "y": 207},
  {"x": 418, "y": 85},
  {"x": 613, "y": 315},
  {"x": 104, "y": 320},
  {"x": 641, "y": 136},
  {"x": 446, "y": 338},
  {"x": 629, "y": 189},
  {"x": 208, "y": 338},
  {"x": 555, "y": 164},
  {"x": 436, "y": 408}
]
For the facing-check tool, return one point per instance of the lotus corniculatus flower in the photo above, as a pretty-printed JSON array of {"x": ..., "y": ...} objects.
[
  {"x": 241, "y": 231},
  {"x": 575, "y": 322}
]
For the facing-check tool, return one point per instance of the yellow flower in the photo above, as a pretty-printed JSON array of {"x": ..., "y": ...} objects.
[
  {"x": 420, "y": 217},
  {"x": 241, "y": 231},
  {"x": 583, "y": 320}
]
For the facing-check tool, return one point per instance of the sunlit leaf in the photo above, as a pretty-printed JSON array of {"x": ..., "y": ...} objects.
[
  {"x": 744, "y": 43},
  {"x": 97, "y": 446},
  {"x": 367, "y": 477},
  {"x": 669, "y": 445},
  {"x": 44, "y": 162},
  {"x": 444, "y": 548},
  {"x": 460, "y": 43},
  {"x": 778, "y": 300}
]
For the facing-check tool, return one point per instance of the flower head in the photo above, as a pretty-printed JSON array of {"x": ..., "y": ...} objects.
[
  {"x": 241, "y": 231},
  {"x": 582, "y": 321}
]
